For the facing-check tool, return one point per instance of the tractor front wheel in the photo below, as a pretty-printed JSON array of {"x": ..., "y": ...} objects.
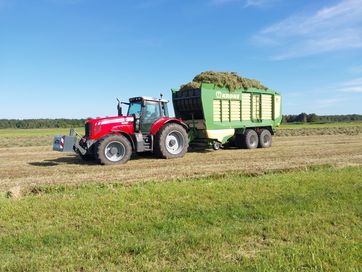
[
  {"x": 171, "y": 141},
  {"x": 113, "y": 149}
]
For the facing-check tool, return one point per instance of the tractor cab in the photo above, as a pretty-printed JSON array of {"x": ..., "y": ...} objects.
[{"x": 147, "y": 110}]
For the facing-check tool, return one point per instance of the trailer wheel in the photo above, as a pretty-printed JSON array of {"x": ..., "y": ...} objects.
[
  {"x": 171, "y": 141},
  {"x": 216, "y": 145},
  {"x": 265, "y": 139},
  {"x": 113, "y": 149},
  {"x": 251, "y": 139}
]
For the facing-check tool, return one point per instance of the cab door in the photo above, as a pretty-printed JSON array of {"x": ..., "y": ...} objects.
[{"x": 151, "y": 112}]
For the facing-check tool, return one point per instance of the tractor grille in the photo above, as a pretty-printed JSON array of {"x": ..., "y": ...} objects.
[{"x": 88, "y": 129}]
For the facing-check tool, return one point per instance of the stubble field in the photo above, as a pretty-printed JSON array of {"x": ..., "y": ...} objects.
[
  {"x": 293, "y": 207},
  {"x": 27, "y": 160}
]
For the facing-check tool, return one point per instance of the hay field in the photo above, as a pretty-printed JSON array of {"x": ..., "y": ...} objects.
[
  {"x": 232, "y": 217},
  {"x": 29, "y": 160}
]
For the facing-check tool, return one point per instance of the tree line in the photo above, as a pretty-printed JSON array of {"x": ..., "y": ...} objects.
[
  {"x": 41, "y": 123},
  {"x": 314, "y": 118}
]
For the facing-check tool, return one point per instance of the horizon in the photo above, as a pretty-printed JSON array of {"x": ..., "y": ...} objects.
[
  {"x": 71, "y": 58},
  {"x": 60, "y": 118}
]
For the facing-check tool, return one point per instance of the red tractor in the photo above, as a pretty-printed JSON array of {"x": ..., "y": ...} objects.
[{"x": 147, "y": 127}]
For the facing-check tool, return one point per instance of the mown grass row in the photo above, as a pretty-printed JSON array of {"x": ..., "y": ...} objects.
[
  {"x": 31, "y": 137},
  {"x": 302, "y": 220},
  {"x": 319, "y": 131},
  {"x": 43, "y": 137},
  {"x": 37, "y": 132},
  {"x": 321, "y": 125}
]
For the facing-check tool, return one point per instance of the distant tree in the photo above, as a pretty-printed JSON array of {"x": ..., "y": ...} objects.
[
  {"x": 285, "y": 119},
  {"x": 41, "y": 123},
  {"x": 312, "y": 118},
  {"x": 302, "y": 117}
]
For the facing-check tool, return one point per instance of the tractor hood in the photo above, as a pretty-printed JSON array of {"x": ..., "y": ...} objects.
[
  {"x": 111, "y": 120},
  {"x": 97, "y": 127}
]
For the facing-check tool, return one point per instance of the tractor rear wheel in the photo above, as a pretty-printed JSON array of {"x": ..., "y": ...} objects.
[
  {"x": 265, "y": 139},
  {"x": 251, "y": 139},
  {"x": 113, "y": 149},
  {"x": 171, "y": 141}
]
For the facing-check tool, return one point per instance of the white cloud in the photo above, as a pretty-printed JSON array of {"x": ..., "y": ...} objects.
[
  {"x": 329, "y": 29},
  {"x": 223, "y": 2},
  {"x": 355, "y": 89},
  {"x": 352, "y": 86},
  {"x": 355, "y": 69},
  {"x": 258, "y": 3},
  {"x": 328, "y": 102}
]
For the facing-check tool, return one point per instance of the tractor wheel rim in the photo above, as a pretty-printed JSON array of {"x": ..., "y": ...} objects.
[
  {"x": 266, "y": 139},
  {"x": 174, "y": 142},
  {"x": 115, "y": 151}
]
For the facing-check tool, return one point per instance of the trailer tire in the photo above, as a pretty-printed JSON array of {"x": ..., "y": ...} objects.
[
  {"x": 113, "y": 149},
  {"x": 251, "y": 139},
  {"x": 265, "y": 139},
  {"x": 171, "y": 141},
  {"x": 216, "y": 145}
]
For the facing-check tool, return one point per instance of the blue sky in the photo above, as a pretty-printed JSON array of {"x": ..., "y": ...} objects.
[{"x": 71, "y": 58}]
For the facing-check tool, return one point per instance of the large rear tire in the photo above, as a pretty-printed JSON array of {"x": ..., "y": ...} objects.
[
  {"x": 113, "y": 149},
  {"x": 171, "y": 141},
  {"x": 251, "y": 139},
  {"x": 265, "y": 139}
]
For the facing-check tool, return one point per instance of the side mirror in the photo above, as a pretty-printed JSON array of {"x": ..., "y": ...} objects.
[
  {"x": 119, "y": 108},
  {"x": 137, "y": 124}
]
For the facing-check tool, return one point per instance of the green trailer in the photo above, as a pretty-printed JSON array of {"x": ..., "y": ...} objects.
[{"x": 219, "y": 116}]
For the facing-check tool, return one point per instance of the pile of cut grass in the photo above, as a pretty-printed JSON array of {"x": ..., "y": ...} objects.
[{"x": 231, "y": 80}]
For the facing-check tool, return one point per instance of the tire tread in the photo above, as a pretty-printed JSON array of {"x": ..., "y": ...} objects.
[{"x": 160, "y": 148}]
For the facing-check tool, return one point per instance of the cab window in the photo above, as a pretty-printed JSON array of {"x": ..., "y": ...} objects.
[
  {"x": 151, "y": 111},
  {"x": 164, "y": 109},
  {"x": 134, "y": 108}
]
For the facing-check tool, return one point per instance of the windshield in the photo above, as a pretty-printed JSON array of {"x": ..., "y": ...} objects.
[{"x": 134, "y": 107}]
